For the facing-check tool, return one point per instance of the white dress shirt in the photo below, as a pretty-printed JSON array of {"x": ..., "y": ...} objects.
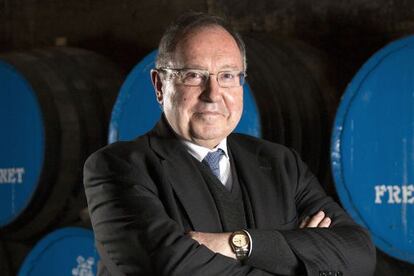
[{"x": 199, "y": 152}]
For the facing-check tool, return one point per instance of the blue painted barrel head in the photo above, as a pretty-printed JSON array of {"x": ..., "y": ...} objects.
[
  {"x": 136, "y": 110},
  {"x": 22, "y": 143},
  {"x": 68, "y": 251},
  {"x": 372, "y": 149},
  {"x": 250, "y": 120}
]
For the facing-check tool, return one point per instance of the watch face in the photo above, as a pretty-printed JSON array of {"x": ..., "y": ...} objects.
[{"x": 239, "y": 240}]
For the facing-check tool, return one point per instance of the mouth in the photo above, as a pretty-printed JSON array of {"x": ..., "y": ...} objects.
[{"x": 208, "y": 115}]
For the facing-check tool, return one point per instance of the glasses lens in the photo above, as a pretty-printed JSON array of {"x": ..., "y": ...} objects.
[
  {"x": 231, "y": 78},
  {"x": 193, "y": 77}
]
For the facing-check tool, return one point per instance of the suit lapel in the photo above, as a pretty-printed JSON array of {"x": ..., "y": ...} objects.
[
  {"x": 256, "y": 174},
  {"x": 185, "y": 178}
]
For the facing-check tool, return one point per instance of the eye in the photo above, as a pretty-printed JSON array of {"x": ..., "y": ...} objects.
[
  {"x": 192, "y": 76},
  {"x": 228, "y": 76}
]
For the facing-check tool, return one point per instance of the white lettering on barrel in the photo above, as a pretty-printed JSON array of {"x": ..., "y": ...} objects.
[
  {"x": 11, "y": 175},
  {"x": 379, "y": 192},
  {"x": 393, "y": 194},
  {"x": 408, "y": 194},
  {"x": 396, "y": 194}
]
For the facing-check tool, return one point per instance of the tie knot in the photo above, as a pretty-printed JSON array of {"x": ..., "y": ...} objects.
[{"x": 212, "y": 160}]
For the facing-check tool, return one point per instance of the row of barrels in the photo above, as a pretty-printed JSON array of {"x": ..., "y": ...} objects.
[{"x": 61, "y": 104}]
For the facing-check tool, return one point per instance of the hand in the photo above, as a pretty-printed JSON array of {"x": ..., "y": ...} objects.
[
  {"x": 219, "y": 242},
  {"x": 216, "y": 242},
  {"x": 319, "y": 220}
]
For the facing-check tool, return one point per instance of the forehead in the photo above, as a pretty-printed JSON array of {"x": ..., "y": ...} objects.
[{"x": 208, "y": 48}]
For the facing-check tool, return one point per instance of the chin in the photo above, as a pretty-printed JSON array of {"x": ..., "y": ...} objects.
[
  {"x": 210, "y": 129},
  {"x": 209, "y": 133}
]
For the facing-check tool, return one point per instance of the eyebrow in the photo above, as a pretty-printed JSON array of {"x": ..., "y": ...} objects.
[{"x": 223, "y": 68}]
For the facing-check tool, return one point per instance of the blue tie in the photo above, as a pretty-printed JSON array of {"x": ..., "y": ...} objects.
[{"x": 212, "y": 160}]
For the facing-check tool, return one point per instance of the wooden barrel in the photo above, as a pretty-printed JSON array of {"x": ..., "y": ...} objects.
[
  {"x": 297, "y": 101},
  {"x": 373, "y": 150},
  {"x": 67, "y": 251},
  {"x": 55, "y": 104}
]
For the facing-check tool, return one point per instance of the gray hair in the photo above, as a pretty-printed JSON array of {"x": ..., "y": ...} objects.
[{"x": 189, "y": 22}]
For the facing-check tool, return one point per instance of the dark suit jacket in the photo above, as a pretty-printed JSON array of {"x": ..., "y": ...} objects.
[{"x": 144, "y": 195}]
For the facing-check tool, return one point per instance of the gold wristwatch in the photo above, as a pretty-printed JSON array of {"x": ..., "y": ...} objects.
[{"x": 240, "y": 244}]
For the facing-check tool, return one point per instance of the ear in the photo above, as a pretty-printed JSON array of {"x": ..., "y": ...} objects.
[{"x": 157, "y": 83}]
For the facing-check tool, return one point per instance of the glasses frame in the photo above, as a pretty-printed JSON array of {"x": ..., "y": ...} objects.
[{"x": 178, "y": 72}]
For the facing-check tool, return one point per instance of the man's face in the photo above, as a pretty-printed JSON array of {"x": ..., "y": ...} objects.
[{"x": 204, "y": 115}]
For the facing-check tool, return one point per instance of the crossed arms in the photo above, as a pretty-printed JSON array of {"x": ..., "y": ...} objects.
[
  {"x": 219, "y": 242},
  {"x": 140, "y": 226}
]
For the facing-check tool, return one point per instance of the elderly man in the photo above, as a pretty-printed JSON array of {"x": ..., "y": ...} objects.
[{"x": 191, "y": 198}]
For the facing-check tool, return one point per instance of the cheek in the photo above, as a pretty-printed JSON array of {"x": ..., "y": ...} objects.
[
  {"x": 182, "y": 103},
  {"x": 185, "y": 101},
  {"x": 174, "y": 99},
  {"x": 235, "y": 102}
]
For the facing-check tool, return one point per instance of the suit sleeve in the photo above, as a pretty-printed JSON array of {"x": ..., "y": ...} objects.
[
  {"x": 344, "y": 247},
  {"x": 132, "y": 226}
]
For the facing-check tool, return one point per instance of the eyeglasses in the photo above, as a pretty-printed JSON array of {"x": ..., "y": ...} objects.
[{"x": 198, "y": 77}]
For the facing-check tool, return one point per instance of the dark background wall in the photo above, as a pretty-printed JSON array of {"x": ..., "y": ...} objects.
[{"x": 348, "y": 31}]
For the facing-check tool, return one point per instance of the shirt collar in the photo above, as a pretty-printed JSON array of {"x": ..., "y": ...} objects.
[{"x": 199, "y": 152}]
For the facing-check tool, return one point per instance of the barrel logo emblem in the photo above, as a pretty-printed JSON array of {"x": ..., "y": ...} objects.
[{"x": 84, "y": 267}]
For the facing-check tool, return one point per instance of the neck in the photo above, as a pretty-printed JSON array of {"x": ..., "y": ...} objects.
[{"x": 210, "y": 144}]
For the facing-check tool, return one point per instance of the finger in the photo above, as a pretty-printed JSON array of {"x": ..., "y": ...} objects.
[
  {"x": 304, "y": 222},
  {"x": 316, "y": 219},
  {"x": 325, "y": 223}
]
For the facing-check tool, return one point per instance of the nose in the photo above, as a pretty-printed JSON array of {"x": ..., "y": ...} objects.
[{"x": 212, "y": 91}]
